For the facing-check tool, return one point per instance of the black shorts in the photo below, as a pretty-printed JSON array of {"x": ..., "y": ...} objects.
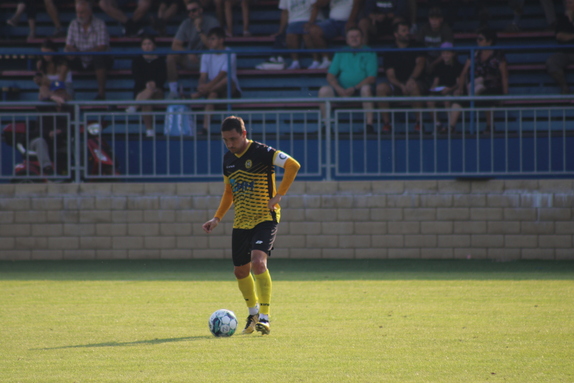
[{"x": 243, "y": 241}]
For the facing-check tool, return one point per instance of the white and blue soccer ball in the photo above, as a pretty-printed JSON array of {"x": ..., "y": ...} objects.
[{"x": 223, "y": 323}]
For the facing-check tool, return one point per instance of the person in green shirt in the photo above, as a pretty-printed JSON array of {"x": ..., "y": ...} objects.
[{"x": 353, "y": 71}]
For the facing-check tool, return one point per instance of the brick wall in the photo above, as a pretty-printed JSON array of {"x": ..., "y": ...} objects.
[{"x": 513, "y": 219}]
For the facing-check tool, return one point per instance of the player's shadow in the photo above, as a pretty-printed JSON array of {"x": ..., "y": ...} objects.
[{"x": 128, "y": 344}]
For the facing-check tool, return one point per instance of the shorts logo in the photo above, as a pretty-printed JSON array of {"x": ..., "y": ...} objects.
[
  {"x": 248, "y": 164},
  {"x": 259, "y": 243},
  {"x": 282, "y": 156}
]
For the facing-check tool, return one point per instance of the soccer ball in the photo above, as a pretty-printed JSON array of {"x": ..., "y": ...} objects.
[{"x": 223, "y": 323}]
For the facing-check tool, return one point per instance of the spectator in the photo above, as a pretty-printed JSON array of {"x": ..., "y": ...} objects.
[
  {"x": 352, "y": 72},
  {"x": 446, "y": 82},
  {"x": 132, "y": 26},
  {"x": 149, "y": 72},
  {"x": 342, "y": 16},
  {"x": 517, "y": 7},
  {"x": 294, "y": 15},
  {"x": 28, "y": 6},
  {"x": 558, "y": 62},
  {"x": 213, "y": 74},
  {"x": 224, "y": 11},
  {"x": 165, "y": 11},
  {"x": 490, "y": 74},
  {"x": 432, "y": 35},
  {"x": 52, "y": 11},
  {"x": 376, "y": 19},
  {"x": 53, "y": 75},
  {"x": 407, "y": 11},
  {"x": 404, "y": 70},
  {"x": 87, "y": 33},
  {"x": 193, "y": 32}
]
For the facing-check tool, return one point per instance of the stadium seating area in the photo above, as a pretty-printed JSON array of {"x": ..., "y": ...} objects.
[{"x": 526, "y": 65}]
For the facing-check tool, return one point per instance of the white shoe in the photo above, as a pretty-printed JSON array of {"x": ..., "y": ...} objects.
[
  {"x": 150, "y": 133},
  {"x": 131, "y": 109},
  {"x": 325, "y": 64},
  {"x": 294, "y": 65},
  {"x": 314, "y": 65}
]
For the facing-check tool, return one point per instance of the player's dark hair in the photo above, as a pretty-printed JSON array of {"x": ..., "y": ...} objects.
[
  {"x": 233, "y": 123},
  {"x": 216, "y": 31}
]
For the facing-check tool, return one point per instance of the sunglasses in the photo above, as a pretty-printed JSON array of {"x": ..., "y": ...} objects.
[{"x": 193, "y": 10}]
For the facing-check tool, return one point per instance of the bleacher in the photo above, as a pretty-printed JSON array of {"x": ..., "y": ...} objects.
[{"x": 526, "y": 66}]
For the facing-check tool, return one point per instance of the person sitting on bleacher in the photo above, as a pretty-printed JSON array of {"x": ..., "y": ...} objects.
[
  {"x": 405, "y": 74},
  {"x": 87, "y": 33},
  {"x": 432, "y": 35},
  {"x": 352, "y": 72},
  {"x": 342, "y": 16},
  {"x": 149, "y": 71},
  {"x": 490, "y": 74},
  {"x": 132, "y": 26},
  {"x": 192, "y": 32},
  {"x": 558, "y": 62},
  {"x": 294, "y": 15},
  {"x": 445, "y": 81},
  {"x": 213, "y": 74},
  {"x": 53, "y": 76},
  {"x": 376, "y": 19}
]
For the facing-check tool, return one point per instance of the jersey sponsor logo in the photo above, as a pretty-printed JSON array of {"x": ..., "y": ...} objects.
[
  {"x": 242, "y": 186},
  {"x": 259, "y": 243},
  {"x": 230, "y": 166}
]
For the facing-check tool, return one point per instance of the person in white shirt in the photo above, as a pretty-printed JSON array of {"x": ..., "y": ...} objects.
[
  {"x": 342, "y": 16},
  {"x": 295, "y": 14},
  {"x": 213, "y": 74}
]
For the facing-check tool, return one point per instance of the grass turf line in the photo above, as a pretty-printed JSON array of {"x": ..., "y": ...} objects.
[{"x": 394, "y": 321}]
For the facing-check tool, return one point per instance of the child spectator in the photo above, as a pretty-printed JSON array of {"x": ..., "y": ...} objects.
[
  {"x": 445, "y": 82},
  {"x": 214, "y": 74},
  {"x": 53, "y": 75},
  {"x": 149, "y": 71}
]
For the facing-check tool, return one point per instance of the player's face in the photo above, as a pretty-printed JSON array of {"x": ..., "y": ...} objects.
[{"x": 236, "y": 142}]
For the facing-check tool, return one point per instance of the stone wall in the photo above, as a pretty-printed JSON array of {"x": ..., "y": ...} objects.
[{"x": 497, "y": 219}]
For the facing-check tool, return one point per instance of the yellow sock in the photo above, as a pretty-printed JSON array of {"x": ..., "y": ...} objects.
[
  {"x": 264, "y": 286},
  {"x": 247, "y": 288}
]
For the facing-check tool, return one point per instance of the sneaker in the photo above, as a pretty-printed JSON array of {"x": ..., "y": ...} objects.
[
  {"x": 387, "y": 128},
  {"x": 271, "y": 66},
  {"x": 294, "y": 65},
  {"x": 325, "y": 64},
  {"x": 246, "y": 34},
  {"x": 263, "y": 327},
  {"x": 278, "y": 59},
  {"x": 314, "y": 65},
  {"x": 250, "y": 325},
  {"x": 150, "y": 133},
  {"x": 131, "y": 109}
]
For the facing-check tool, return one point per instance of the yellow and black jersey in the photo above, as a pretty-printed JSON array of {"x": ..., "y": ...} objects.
[{"x": 251, "y": 177}]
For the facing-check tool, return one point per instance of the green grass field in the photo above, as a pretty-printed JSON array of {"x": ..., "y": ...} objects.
[{"x": 332, "y": 321}]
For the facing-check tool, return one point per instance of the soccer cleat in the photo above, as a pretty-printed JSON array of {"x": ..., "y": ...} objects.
[
  {"x": 250, "y": 325},
  {"x": 263, "y": 327}
]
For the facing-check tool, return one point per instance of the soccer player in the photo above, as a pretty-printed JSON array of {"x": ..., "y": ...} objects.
[{"x": 249, "y": 178}]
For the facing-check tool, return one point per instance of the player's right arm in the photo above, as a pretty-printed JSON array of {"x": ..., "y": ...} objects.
[{"x": 224, "y": 205}]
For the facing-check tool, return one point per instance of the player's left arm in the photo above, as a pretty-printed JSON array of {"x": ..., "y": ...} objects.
[{"x": 291, "y": 167}]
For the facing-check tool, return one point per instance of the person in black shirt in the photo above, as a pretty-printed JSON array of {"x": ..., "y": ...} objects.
[
  {"x": 404, "y": 70},
  {"x": 445, "y": 82},
  {"x": 150, "y": 74},
  {"x": 557, "y": 63}
]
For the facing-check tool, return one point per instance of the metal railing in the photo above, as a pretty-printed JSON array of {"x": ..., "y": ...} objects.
[{"x": 527, "y": 141}]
